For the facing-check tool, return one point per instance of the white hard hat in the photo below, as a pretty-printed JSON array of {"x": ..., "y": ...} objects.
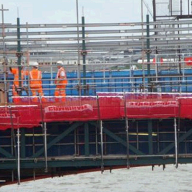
[
  {"x": 35, "y": 64},
  {"x": 59, "y": 63}
]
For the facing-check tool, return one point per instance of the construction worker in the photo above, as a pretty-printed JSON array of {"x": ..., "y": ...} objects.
[
  {"x": 60, "y": 81},
  {"x": 36, "y": 82},
  {"x": 16, "y": 89}
]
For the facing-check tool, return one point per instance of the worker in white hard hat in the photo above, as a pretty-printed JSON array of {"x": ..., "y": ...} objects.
[
  {"x": 60, "y": 81},
  {"x": 36, "y": 81},
  {"x": 15, "y": 87}
]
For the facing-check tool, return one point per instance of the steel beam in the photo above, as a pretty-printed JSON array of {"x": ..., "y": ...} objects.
[
  {"x": 95, "y": 162},
  {"x": 5, "y": 153},
  {"x": 172, "y": 145},
  {"x": 124, "y": 143},
  {"x": 57, "y": 139}
]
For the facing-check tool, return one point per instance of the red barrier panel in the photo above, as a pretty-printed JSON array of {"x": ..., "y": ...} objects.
[
  {"x": 185, "y": 108},
  {"x": 29, "y": 115},
  {"x": 8, "y": 118},
  {"x": 83, "y": 109},
  {"x": 151, "y": 105},
  {"x": 150, "y": 109},
  {"x": 74, "y": 109},
  {"x": 188, "y": 60},
  {"x": 17, "y": 116},
  {"x": 111, "y": 106}
]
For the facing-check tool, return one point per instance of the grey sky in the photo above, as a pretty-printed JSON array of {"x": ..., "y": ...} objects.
[{"x": 64, "y": 11}]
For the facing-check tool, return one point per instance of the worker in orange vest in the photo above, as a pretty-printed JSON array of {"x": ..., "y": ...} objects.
[
  {"x": 36, "y": 82},
  {"x": 16, "y": 88},
  {"x": 60, "y": 81}
]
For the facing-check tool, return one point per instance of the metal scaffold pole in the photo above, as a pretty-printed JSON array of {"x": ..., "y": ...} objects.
[
  {"x": 44, "y": 127},
  {"x": 176, "y": 143},
  {"x": 127, "y": 131},
  {"x": 27, "y": 84},
  {"x": 84, "y": 55},
  {"x": 18, "y": 157},
  {"x": 5, "y": 59},
  {"x": 78, "y": 50},
  {"x": 19, "y": 55},
  {"x": 142, "y": 49},
  {"x": 45, "y": 148},
  {"x": 13, "y": 142},
  {"x": 101, "y": 134},
  {"x": 154, "y": 10},
  {"x": 148, "y": 54}
]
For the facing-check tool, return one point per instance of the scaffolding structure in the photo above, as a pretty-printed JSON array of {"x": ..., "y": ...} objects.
[
  {"x": 147, "y": 59},
  {"x": 102, "y": 47}
]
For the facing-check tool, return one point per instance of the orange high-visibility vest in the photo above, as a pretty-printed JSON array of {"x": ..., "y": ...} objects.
[
  {"x": 61, "y": 81},
  {"x": 35, "y": 78},
  {"x": 15, "y": 71}
]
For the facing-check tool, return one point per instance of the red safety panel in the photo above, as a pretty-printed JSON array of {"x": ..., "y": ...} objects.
[
  {"x": 8, "y": 118},
  {"x": 18, "y": 116},
  {"x": 188, "y": 60},
  {"x": 106, "y": 106},
  {"x": 185, "y": 108},
  {"x": 73, "y": 109},
  {"x": 149, "y": 108},
  {"x": 110, "y": 107},
  {"x": 30, "y": 116}
]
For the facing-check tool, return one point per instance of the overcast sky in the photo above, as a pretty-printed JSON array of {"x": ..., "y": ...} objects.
[{"x": 64, "y": 11}]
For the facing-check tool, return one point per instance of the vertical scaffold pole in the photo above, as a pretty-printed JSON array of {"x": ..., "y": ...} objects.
[
  {"x": 45, "y": 143},
  {"x": 13, "y": 142},
  {"x": 156, "y": 68},
  {"x": 96, "y": 140},
  {"x": 27, "y": 59},
  {"x": 176, "y": 144},
  {"x": 148, "y": 55},
  {"x": 44, "y": 126},
  {"x": 101, "y": 134},
  {"x": 4, "y": 56},
  {"x": 142, "y": 45},
  {"x": 75, "y": 142},
  {"x": 154, "y": 10},
  {"x": 84, "y": 52},
  {"x": 127, "y": 131},
  {"x": 18, "y": 157},
  {"x": 51, "y": 70},
  {"x": 78, "y": 50},
  {"x": 19, "y": 54}
]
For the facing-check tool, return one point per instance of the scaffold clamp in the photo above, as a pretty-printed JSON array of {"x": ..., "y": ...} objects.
[
  {"x": 19, "y": 54},
  {"x": 148, "y": 51},
  {"x": 83, "y": 52}
]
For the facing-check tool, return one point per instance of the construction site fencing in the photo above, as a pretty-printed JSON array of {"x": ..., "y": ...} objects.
[{"x": 29, "y": 113}]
